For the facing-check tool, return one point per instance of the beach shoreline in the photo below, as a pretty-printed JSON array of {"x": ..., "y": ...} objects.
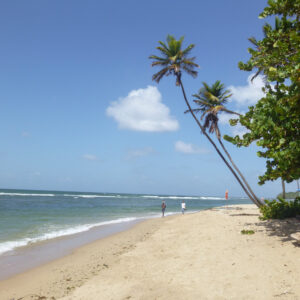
[
  {"x": 195, "y": 256},
  {"x": 27, "y": 257}
]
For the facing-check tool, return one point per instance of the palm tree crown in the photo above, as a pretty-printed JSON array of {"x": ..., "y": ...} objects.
[
  {"x": 173, "y": 60},
  {"x": 211, "y": 100}
]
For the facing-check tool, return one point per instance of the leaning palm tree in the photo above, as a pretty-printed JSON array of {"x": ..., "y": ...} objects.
[
  {"x": 211, "y": 101},
  {"x": 174, "y": 61}
]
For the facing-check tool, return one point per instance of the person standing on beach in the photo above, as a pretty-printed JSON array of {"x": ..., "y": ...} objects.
[
  {"x": 182, "y": 207},
  {"x": 163, "y": 208}
]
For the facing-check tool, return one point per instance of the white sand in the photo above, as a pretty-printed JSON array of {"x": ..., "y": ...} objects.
[{"x": 196, "y": 256}]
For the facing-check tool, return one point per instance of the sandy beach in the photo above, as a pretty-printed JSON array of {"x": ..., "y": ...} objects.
[{"x": 195, "y": 256}]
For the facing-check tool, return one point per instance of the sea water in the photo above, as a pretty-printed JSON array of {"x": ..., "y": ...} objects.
[{"x": 28, "y": 217}]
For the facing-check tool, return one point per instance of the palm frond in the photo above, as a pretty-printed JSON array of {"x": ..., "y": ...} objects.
[
  {"x": 190, "y": 62},
  {"x": 190, "y": 71},
  {"x": 199, "y": 97},
  {"x": 230, "y": 111},
  {"x": 195, "y": 110},
  {"x": 163, "y": 45},
  {"x": 210, "y": 122},
  {"x": 187, "y": 50},
  {"x": 158, "y": 58},
  {"x": 159, "y": 75},
  {"x": 159, "y": 63},
  {"x": 163, "y": 51},
  {"x": 205, "y": 112},
  {"x": 217, "y": 108},
  {"x": 204, "y": 103},
  {"x": 210, "y": 96}
]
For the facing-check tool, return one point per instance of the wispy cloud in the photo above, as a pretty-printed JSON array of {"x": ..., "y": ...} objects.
[
  {"x": 225, "y": 117},
  {"x": 239, "y": 130},
  {"x": 143, "y": 110},
  {"x": 235, "y": 130},
  {"x": 189, "y": 148},
  {"x": 90, "y": 157},
  {"x": 132, "y": 154},
  {"x": 248, "y": 94}
]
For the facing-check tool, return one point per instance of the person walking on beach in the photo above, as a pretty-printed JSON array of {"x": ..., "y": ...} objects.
[
  {"x": 163, "y": 208},
  {"x": 182, "y": 207}
]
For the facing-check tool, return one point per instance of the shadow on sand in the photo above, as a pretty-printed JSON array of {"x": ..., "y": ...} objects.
[{"x": 282, "y": 229}]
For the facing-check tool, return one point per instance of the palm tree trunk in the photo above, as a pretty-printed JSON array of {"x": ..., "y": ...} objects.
[
  {"x": 239, "y": 172},
  {"x": 214, "y": 145},
  {"x": 283, "y": 188}
]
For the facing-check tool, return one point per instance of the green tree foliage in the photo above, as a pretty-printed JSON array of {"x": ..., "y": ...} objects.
[
  {"x": 274, "y": 122},
  {"x": 280, "y": 209}
]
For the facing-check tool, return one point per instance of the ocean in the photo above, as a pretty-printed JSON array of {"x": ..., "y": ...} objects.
[{"x": 28, "y": 217}]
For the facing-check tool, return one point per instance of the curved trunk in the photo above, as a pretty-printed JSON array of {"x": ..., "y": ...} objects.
[
  {"x": 239, "y": 172},
  {"x": 214, "y": 145}
]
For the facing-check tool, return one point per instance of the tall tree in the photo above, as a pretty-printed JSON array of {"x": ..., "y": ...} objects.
[
  {"x": 211, "y": 100},
  {"x": 274, "y": 122},
  {"x": 173, "y": 61}
]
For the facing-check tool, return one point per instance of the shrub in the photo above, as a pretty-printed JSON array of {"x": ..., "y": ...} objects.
[
  {"x": 280, "y": 209},
  {"x": 244, "y": 231}
]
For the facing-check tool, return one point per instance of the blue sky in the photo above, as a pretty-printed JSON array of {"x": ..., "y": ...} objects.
[{"x": 79, "y": 110}]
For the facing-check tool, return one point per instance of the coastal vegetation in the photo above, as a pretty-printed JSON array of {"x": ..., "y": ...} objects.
[
  {"x": 273, "y": 123},
  {"x": 280, "y": 209},
  {"x": 289, "y": 195},
  {"x": 247, "y": 232}
]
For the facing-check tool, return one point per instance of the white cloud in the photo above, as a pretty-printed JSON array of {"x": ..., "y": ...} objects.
[
  {"x": 90, "y": 157},
  {"x": 189, "y": 148},
  {"x": 224, "y": 118},
  {"x": 140, "y": 152},
  {"x": 235, "y": 130},
  {"x": 239, "y": 130},
  {"x": 248, "y": 94},
  {"x": 143, "y": 110}
]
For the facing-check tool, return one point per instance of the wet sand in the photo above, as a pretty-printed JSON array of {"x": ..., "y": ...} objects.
[
  {"x": 196, "y": 256},
  {"x": 25, "y": 258}
]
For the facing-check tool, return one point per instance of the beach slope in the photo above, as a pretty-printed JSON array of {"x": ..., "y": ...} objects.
[{"x": 192, "y": 256}]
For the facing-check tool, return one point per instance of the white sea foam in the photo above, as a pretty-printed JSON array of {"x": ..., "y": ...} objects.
[
  {"x": 169, "y": 197},
  {"x": 11, "y": 245},
  {"x": 94, "y": 196},
  {"x": 23, "y": 194},
  {"x": 212, "y": 198},
  {"x": 184, "y": 197}
]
